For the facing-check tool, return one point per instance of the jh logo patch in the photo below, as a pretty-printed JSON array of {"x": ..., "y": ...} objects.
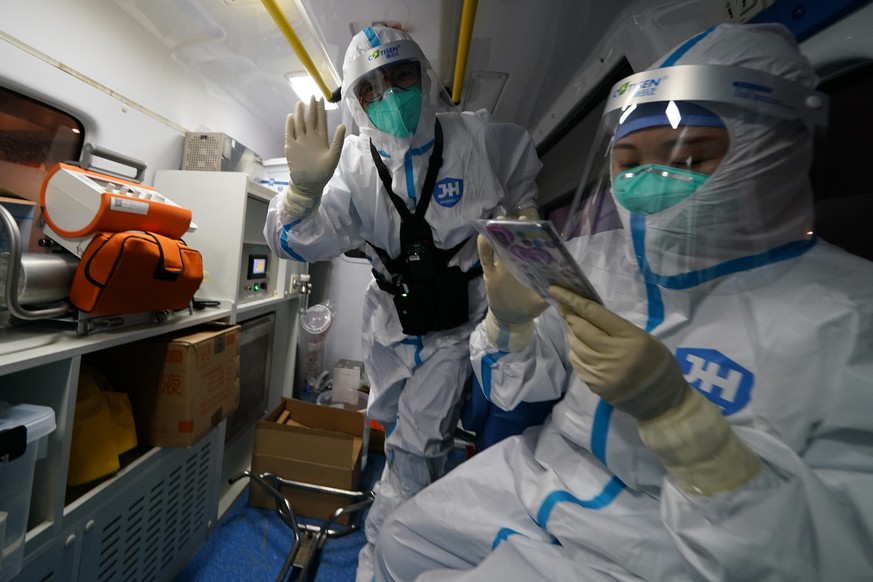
[
  {"x": 448, "y": 191},
  {"x": 724, "y": 382}
]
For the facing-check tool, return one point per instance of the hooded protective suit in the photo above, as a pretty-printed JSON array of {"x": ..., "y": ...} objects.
[
  {"x": 488, "y": 170},
  {"x": 771, "y": 325}
]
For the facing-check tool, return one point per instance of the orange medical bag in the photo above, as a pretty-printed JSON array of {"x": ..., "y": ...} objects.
[{"x": 134, "y": 271}]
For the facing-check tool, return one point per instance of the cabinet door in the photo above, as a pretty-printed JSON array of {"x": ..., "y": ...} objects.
[
  {"x": 56, "y": 562},
  {"x": 150, "y": 527}
]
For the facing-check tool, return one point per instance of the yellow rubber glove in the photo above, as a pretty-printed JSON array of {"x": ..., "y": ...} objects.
[
  {"x": 512, "y": 306},
  {"x": 636, "y": 373},
  {"x": 699, "y": 448},
  {"x": 311, "y": 161},
  {"x": 620, "y": 362}
]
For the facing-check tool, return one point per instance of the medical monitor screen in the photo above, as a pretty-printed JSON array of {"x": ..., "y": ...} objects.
[{"x": 257, "y": 266}]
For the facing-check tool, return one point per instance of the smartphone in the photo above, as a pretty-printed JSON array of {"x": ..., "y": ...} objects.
[{"x": 533, "y": 252}]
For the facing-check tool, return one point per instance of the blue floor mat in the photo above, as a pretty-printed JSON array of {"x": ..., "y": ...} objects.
[{"x": 252, "y": 543}]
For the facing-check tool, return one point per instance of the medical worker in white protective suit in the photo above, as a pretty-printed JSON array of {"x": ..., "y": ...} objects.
[
  {"x": 730, "y": 440},
  {"x": 427, "y": 295}
]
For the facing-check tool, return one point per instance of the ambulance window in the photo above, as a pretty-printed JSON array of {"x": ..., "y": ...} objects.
[
  {"x": 33, "y": 137},
  {"x": 565, "y": 151},
  {"x": 843, "y": 192}
]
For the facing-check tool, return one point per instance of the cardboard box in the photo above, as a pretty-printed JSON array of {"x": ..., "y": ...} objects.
[
  {"x": 180, "y": 385},
  {"x": 322, "y": 446},
  {"x": 374, "y": 434},
  {"x": 21, "y": 180},
  {"x": 347, "y": 380}
]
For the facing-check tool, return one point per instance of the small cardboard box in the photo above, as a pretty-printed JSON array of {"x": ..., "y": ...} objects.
[
  {"x": 321, "y": 446},
  {"x": 22, "y": 180},
  {"x": 180, "y": 385},
  {"x": 347, "y": 380}
]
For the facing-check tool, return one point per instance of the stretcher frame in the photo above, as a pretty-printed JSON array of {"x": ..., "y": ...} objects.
[{"x": 309, "y": 538}]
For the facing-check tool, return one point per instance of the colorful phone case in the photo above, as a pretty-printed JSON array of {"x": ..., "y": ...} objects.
[{"x": 533, "y": 252}]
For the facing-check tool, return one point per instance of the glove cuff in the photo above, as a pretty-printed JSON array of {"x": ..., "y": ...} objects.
[
  {"x": 299, "y": 205},
  {"x": 508, "y": 337},
  {"x": 699, "y": 448}
]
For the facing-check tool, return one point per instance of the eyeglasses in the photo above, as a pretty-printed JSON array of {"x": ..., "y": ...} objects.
[{"x": 402, "y": 76}]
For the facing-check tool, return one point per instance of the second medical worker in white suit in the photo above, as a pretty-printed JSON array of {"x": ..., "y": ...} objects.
[
  {"x": 716, "y": 421},
  {"x": 427, "y": 293}
]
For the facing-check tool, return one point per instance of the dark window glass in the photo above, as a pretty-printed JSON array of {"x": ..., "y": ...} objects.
[
  {"x": 843, "y": 192},
  {"x": 33, "y": 138}
]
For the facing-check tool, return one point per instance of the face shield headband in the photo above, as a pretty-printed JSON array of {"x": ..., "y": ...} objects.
[
  {"x": 746, "y": 88},
  {"x": 380, "y": 56}
]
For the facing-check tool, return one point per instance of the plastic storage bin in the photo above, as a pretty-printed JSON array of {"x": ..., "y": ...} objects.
[{"x": 24, "y": 430}]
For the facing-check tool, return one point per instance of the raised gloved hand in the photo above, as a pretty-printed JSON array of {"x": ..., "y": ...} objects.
[
  {"x": 621, "y": 363},
  {"x": 311, "y": 161},
  {"x": 636, "y": 373},
  {"x": 512, "y": 306}
]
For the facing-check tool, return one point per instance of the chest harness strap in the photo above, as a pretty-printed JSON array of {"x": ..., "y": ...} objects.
[{"x": 428, "y": 294}]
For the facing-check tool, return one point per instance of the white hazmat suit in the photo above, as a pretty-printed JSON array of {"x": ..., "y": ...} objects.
[
  {"x": 488, "y": 169},
  {"x": 769, "y": 324}
]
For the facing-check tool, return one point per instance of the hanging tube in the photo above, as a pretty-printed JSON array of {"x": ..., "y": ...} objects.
[
  {"x": 298, "y": 47},
  {"x": 468, "y": 18}
]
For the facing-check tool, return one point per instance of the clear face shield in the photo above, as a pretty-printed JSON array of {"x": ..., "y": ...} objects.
[
  {"x": 699, "y": 166},
  {"x": 391, "y": 97},
  {"x": 392, "y": 88}
]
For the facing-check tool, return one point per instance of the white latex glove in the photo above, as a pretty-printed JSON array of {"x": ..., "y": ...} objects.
[
  {"x": 311, "y": 161},
  {"x": 529, "y": 213},
  {"x": 512, "y": 306},
  {"x": 621, "y": 363},
  {"x": 636, "y": 373}
]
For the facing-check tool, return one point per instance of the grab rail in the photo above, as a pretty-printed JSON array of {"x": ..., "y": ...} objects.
[
  {"x": 468, "y": 19},
  {"x": 299, "y": 49}
]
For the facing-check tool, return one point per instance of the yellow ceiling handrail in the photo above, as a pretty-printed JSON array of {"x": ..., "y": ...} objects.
[
  {"x": 299, "y": 49},
  {"x": 468, "y": 18}
]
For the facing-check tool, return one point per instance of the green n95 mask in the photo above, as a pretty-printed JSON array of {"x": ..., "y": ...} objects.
[
  {"x": 652, "y": 188},
  {"x": 397, "y": 112}
]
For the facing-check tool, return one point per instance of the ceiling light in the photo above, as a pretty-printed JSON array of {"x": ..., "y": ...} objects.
[{"x": 305, "y": 87}]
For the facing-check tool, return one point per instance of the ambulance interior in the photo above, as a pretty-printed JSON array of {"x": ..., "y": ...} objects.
[{"x": 180, "y": 105}]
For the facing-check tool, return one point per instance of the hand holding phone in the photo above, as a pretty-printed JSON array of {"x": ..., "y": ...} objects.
[{"x": 535, "y": 255}]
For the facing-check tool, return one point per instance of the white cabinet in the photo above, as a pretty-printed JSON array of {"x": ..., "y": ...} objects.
[
  {"x": 229, "y": 210},
  {"x": 146, "y": 522},
  {"x": 143, "y": 523}
]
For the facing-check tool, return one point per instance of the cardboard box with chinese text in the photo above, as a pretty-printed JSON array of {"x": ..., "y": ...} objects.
[{"x": 181, "y": 385}]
